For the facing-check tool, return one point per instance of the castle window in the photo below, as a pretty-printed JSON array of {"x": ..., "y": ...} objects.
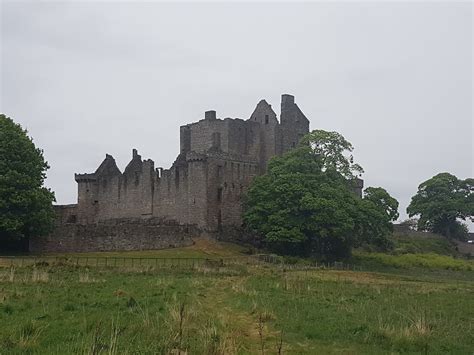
[
  {"x": 266, "y": 119},
  {"x": 219, "y": 194},
  {"x": 293, "y": 144},
  {"x": 176, "y": 179}
]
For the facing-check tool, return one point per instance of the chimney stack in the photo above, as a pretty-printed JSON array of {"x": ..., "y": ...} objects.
[
  {"x": 287, "y": 100},
  {"x": 210, "y": 115}
]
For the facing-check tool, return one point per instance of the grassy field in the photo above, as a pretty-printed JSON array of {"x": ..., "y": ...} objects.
[{"x": 234, "y": 309}]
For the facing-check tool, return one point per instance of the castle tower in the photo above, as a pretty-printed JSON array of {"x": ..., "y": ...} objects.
[
  {"x": 89, "y": 189},
  {"x": 269, "y": 133},
  {"x": 294, "y": 124}
]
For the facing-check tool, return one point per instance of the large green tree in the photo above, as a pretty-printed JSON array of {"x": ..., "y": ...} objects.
[
  {"x": 377, "y": 211},
  {"x": 305, "y": 203},
  {"x": 441, "y": 203},
  {"x": 25, "y": 204}
]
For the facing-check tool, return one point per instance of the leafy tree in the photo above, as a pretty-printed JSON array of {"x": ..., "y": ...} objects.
[
  {"x": 299, "y": 209},
  {"x": 305, "y": 204},
  {"x": 441, "y": 202},
  {"x": 25, "y": 205},
  {"x": 382, "y": 199},
  {"x": 377, "y": 211},
  {"x": 335, "y": 152}
]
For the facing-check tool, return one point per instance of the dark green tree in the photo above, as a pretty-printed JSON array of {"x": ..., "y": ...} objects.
[
  {"x": 441, "y": 203},
  {"x": 25, "y": 204},
  {"x": 305, "y": 204},
  {"x": 382, "y": 199},
  {"x": 334, "y": 151},
  {"x": 377, "y": 211}
]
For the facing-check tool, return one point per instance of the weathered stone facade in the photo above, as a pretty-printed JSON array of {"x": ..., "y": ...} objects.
[
  {"x": 114, "y": 235},
  {"x": 218, "y": 160},
  {"x": 205, "y": 185}
]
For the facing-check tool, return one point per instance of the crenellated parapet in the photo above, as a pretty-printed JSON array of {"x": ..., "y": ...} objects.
[
  {"x": 85, "y": 177},
  {"x": 193, "y": 156}
]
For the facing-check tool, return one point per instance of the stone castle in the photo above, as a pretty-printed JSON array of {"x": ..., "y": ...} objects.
[{"x": 203, "y": 188}]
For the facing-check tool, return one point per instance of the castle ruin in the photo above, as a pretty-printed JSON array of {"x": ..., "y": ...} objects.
[
  {"x": 204, "y": 186},
  {"x": 218, "y": 160}
]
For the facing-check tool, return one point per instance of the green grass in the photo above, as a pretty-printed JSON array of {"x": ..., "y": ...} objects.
[
  {"x": 417, "y": 250},
  {"x": 428, "y": 261},
  {"x": 420, "y": 242},
  {"x": 236, "y": 309},
  {"x": 202, "y": 248}
]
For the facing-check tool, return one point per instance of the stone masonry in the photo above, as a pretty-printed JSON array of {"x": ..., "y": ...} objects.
[{"x": 204, "y": 186}]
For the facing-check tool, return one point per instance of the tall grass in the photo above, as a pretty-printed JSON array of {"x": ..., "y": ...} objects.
[
  {"x": 430, "y": 261},
  {"x": 237, "y": 309}
]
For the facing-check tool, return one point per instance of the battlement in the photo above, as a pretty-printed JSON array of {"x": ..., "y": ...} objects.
[
  {"x": 85, "y": 177},
  {"x": 193, "y": 156}
]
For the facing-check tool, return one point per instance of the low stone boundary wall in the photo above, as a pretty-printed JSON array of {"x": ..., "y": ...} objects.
[{"x": 113, "y": 236}]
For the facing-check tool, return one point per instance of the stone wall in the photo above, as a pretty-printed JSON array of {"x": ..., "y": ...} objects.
[
  {"x": 116, "y": 235},
  {"x": 180, "y": 193},
  {"x": 294, "y": 124},
  {"x": 217, "y": 161}
]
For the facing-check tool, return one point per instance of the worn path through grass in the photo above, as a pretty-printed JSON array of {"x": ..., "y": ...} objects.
[{"x": 233, "y": 309}]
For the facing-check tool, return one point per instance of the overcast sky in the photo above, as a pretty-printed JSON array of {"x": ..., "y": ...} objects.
[{"x": 90, "y": 78}]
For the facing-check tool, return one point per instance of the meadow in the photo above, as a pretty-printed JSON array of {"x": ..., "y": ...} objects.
[{"x": 233, "y": 308}]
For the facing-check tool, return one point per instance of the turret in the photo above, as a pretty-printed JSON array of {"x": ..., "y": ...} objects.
[
  {"x": 294, "y": 124},
  {"x": 88, "y": 186}
]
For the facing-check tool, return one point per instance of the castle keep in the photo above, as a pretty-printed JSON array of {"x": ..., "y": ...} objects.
[
  {"x": 150, "y": 208},
  {"x": 204, "y": 186}
]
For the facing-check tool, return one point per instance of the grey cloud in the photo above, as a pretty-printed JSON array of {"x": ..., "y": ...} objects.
[{"x": 89, "y": 78}]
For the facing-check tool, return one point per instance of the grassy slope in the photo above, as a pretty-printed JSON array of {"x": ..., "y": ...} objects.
[
  {"x": 72, "y": 310},
  {"x": 420, "y": 242},
  {"x": 416, "y": 250},
  {"x": 202, "y": 248}
]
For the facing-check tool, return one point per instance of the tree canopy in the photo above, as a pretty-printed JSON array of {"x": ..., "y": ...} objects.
[
  {"x": 441, "y": 203},
  {"x": 334, "y": 152},
  {"x": 305, "y": 203},
  {"x": 25, "y": 204},
  {"x": 377, "y": 211}
]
